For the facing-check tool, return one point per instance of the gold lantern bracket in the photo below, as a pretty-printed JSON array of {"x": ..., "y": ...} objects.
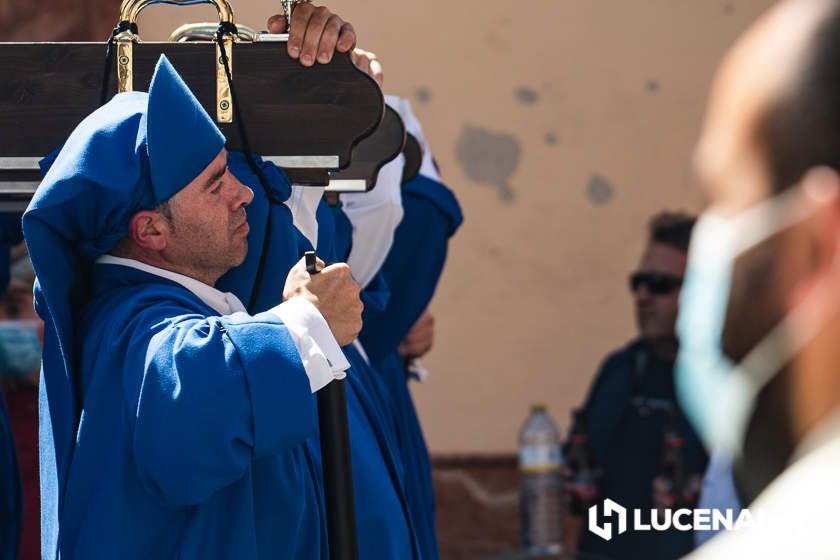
[{"x": 126, "y": 38}]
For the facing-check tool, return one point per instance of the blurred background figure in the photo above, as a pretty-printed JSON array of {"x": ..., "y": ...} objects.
[
  {"x": 643, "y": 452},
  {"x": 760, "y": 314},
  {"x": 21, "y": 336},
  {"x": 21, "y": 333}
]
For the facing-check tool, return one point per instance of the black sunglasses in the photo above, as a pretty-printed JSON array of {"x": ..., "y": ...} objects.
[{"x": 659, "y": 284}]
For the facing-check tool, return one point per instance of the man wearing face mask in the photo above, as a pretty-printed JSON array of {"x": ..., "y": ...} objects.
[
  {"x": 760, "y": 315},
  {"x": 631, "y": 407}
]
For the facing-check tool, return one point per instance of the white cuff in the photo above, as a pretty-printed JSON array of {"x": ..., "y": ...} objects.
[
  {"x": 319, "y": 351},
  {"x": 417, "y": 371}
]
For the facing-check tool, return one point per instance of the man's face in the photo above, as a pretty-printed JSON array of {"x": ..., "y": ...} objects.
[
  {"x": 209, "y": 228},
  {"x": 733, "y": 169},
  {"x": 656, "y": 313},
  {"x": 767, "y": 279}
]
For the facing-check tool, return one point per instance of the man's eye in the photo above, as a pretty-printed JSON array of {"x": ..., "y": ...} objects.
[{"x": 217, "y": 189}]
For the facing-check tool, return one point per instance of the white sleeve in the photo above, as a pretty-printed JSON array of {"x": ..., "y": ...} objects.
[
  {"x": 374, "y": 216},
  {"x": 303, "y": 202},
  {"x": 413, "y": 127},
  {"x": 319, "y": 351}
]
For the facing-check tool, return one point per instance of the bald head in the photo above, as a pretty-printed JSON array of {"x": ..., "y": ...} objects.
[{"x": 774, "y": 109}]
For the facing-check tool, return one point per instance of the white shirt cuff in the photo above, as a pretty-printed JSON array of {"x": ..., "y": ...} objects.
[{"x": 319, "y": 351}]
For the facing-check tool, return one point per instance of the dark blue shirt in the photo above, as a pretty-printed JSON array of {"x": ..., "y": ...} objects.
[{"x": 626, "y": 413}]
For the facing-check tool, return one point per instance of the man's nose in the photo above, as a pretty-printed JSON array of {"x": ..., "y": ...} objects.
[
  {"x": 244, "y": 195},
  {"x": 642, "y": 293}
]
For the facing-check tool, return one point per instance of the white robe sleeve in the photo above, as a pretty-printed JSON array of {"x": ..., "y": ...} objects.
[
  {"x": 413, "y": 127},
  {"x": 319, "y": 351},
  {"x": 303, "y": 202},
  {"x": 374, "y": 216}
]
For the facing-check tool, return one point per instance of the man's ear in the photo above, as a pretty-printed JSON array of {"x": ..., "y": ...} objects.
[
  {"x": 815, "y": 254},
  {"x": 150, "y": 230}
]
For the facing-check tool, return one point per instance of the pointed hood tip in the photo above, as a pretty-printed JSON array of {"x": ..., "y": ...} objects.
[{"x": 182, "y": 138}]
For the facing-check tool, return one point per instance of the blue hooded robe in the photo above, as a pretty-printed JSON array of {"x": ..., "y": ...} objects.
[
  {"x": 383, "y": 525},
  {"x": 167, "y": 431},
  {"x": 431, "y": 215}
]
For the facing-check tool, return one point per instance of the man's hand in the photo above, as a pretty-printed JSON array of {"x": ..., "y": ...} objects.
[
  {"x": 420, "y": 338},
  {"x": 334, "y": 292},
  {"x": 315, "y": 32},
  {"x": 368, "y": 63}
]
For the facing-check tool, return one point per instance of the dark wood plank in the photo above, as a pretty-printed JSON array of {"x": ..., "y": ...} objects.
[
  {"x": 46, "y": 89},
  {"x": 413, "y": 153},
  {"x": 372, "y": 153}
]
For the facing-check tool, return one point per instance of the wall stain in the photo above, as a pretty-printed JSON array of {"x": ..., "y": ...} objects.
[
  {"x": 423, "y": 94},
  {"x": 489, "y": 157},
  {"x": 599, "y": 190},
  {"x": 526, "y": 95}
]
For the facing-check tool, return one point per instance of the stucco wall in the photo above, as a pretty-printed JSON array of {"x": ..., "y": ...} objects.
[{"x": 562, "y": 125}]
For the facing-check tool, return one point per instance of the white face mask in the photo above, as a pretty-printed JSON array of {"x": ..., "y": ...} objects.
[{"x": 718, "y": 395}]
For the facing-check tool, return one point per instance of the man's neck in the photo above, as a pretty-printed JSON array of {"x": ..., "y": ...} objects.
[
  {"x": 207, "y": 277},
  {"x": 664, "y": 348}
]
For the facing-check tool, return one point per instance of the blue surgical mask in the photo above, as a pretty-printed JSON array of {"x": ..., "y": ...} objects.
[
  {"x": 20, "y": 348},
  {"x": 718, "y": 395}
]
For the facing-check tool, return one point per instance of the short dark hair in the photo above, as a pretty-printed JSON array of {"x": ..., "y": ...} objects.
[
  {"x": 800, "y": 129},
  {"x": 672, "y": 228}
]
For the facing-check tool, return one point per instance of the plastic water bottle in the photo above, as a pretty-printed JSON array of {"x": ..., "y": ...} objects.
[{"x": 540, "y": 497}]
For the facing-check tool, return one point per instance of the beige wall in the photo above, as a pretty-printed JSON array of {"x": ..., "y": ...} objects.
[{"x": 562, "y": 125}]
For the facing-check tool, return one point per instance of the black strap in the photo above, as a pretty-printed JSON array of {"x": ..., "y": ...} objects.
[
  {"x": 229, "y": 28},
  {"x": 109, "y": 57}
]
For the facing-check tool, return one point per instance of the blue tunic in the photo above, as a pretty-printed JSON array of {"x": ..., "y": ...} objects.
[
  {"x": 190, "y": 441},
  {"x": 384, "y": 528},
  {"x": 412, "y": 269}
]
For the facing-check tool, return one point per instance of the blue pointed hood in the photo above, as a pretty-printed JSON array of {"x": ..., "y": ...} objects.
[{"x": 181, "y": 136}]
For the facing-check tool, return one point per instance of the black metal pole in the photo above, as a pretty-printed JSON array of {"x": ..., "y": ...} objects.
[{"x": 335, "y": 457}]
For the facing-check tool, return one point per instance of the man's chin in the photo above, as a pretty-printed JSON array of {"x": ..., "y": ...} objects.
[{"x": 241, "y": 254}]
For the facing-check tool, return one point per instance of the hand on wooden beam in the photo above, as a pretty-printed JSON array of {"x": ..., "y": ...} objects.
[
  {"x": 368, "y": 63},
  {"x": 315, "y": 30}
]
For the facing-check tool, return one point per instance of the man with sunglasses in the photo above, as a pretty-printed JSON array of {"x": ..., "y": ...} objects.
[{"x": 632, "y": 406}]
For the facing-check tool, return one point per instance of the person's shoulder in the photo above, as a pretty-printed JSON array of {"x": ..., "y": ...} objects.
[
  {"x": 621, "y": 358},
  {"x": 143, "y": 302},
  {"x": 613, "y": 373},
  {"x": 794, "y": 517}
]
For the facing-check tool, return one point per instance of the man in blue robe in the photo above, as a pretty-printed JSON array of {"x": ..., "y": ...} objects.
[
  {"x": 384, "y": 525},
  {"x": 431, "y": 215},
  {"x": 173, "y": 422}
]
